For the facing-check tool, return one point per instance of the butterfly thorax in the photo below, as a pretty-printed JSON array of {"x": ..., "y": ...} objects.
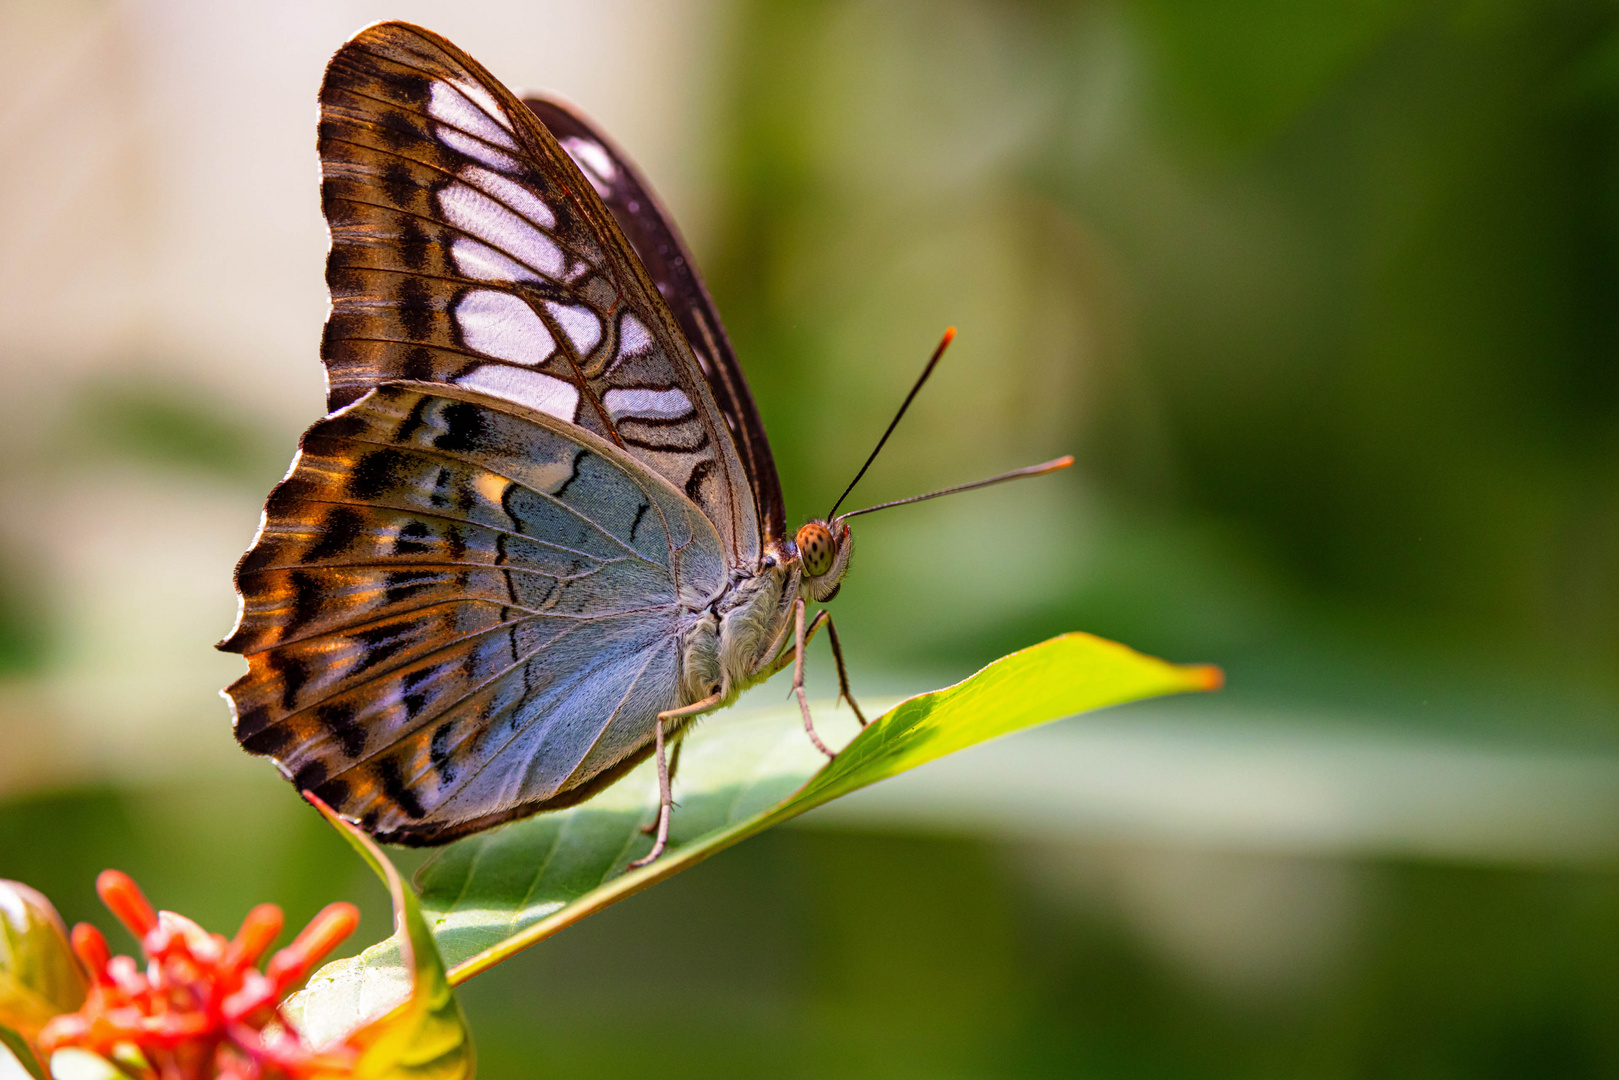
[{"x": 729, "y": 643}]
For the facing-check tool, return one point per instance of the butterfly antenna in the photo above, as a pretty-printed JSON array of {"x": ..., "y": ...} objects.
[
  {"x": 1016, "y": 474},
  {"x": 944, "y": 343}
]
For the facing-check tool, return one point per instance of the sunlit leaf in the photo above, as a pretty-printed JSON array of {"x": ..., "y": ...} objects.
[
  {"x": 425, "y": 1037},
  {"x": 492, "y": 895}
]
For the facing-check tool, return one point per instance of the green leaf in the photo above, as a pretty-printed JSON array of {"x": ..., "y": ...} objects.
[
  {"x": 494, "y": 894},
  {"x": 421, "y": 1034}
]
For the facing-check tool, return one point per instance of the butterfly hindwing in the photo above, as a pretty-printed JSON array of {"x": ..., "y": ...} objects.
[
  {"x": 652, "y": 233},
  {"x": 468, "y": 249},
  {"x": 458, "y": 611}
]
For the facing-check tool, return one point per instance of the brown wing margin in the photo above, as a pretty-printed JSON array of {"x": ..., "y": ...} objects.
[{"x": 668, "y": 262}]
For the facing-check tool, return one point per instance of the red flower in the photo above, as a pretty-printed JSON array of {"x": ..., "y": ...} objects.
[{"x": 201, "y": 1009}]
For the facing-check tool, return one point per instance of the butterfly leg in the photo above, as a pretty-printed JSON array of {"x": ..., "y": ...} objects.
[
  {"x": 665, "y": 801},
  {"x": 843, "y": 674},
  {"x": 674, "y": 766},
  {"x": 789, "y": 653},
  {"x": 783, "y": 650},
  {"x": 798, "y": 675}
]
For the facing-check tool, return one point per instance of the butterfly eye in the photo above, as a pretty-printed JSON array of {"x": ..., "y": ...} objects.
[{"x": 816, "y": 548}]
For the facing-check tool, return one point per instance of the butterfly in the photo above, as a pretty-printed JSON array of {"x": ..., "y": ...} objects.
[{"x": 540, "y": 529}]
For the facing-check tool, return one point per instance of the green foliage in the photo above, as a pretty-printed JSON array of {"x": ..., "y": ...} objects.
[
  {"x": 23, "y": 636},
  {"x": 1244, "y": 69},
  {"x": 1334, "y": 282},
  {"x": 150, "y": 421}
]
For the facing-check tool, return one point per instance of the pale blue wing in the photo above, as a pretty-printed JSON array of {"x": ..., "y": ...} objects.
[{"x": 459, "y": 612}]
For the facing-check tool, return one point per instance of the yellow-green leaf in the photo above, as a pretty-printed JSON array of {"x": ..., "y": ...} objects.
[{"x": 423, "y": 1038}]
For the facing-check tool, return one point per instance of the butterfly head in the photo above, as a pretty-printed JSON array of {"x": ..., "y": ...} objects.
[{"x": 823, "y": 554}]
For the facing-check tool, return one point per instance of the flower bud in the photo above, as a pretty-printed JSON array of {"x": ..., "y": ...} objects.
[{"x": 39, "y": 975}]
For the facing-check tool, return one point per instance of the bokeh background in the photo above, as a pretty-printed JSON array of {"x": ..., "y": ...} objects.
[{"x": 1325, "y": 298}]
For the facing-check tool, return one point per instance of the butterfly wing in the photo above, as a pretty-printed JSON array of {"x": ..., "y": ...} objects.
[
  {"x": 458, "y": 611},
  {"x": 468, "y": 249},
  {"x": 652, "y": 233}
]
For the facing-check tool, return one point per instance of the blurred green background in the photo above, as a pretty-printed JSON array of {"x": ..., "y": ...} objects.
[{"x": 1324, "y": 297}]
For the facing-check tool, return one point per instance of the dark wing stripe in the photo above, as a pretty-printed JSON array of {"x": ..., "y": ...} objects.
[
  {"x": 515, "y": 256},
  {"x": 431, "y": 662},
  {"x": 417, "y": 513},
  {"x": 549, "y": 497},
  {"x": 505, "y": 197}
]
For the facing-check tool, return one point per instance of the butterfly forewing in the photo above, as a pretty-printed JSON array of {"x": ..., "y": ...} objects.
[
  {"x": 457, "y": 612},
  {"x": 652, "y": 233},
  {"x": 468, "y": 249}
]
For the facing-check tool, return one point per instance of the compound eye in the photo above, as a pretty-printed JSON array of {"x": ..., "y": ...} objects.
[{"x": 816, "y": 549}]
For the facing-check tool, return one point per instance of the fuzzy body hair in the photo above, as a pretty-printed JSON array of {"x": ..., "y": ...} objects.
[{"x": 732, "y": 641}]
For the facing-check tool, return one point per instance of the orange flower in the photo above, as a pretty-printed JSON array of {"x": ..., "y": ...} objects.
[{"x": 201, "y": 1009}]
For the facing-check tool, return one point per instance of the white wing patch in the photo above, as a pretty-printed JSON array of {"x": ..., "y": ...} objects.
[
  {"x": 475, "y": 148},
  {"x": 475, "y": 212},
  {"x": 502, "y": 325},
  {"x": 483, "y": 262},
  {"x": 513, "y": 194},
  {"x": 648, "y": 404},
  {"x": 472, "y": 109},
  {"x": 632, "y": 336},
  {"x": 584, "y": 330},
  {"x": 552, "y": 396},
  {"x": 485, "y": 101}
]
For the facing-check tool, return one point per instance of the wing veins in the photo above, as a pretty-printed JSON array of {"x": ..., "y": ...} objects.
[
  {"x": 365, "y": 624},
  {"x": 475, "y": 524},
  {"x": 418, "y": 723},
  {"x": 491, "y": 758},
  {"x": 505, "y": 123},
  {"x": 445, "y": 454},
  {"x": 352, "y": 168},
  {"x": 398, "y": 563},
  {"x": 440, "y": 222}
]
